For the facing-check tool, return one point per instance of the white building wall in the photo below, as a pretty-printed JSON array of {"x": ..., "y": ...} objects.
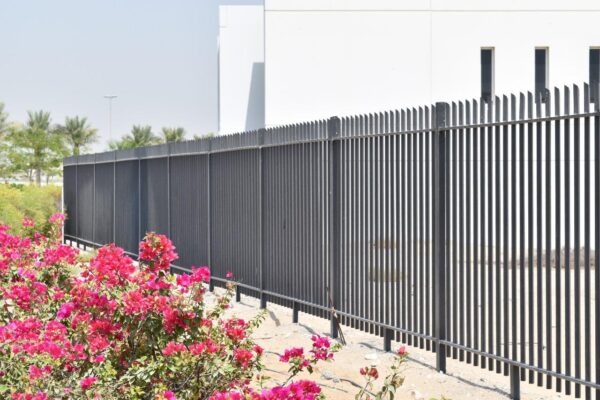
[
  {"x": 241, "y": 68},
  {"x": 342, "y": 57}
]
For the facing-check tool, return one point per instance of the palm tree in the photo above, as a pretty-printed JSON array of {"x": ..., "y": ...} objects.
[
  {"x": 37, "y": 147},
  {"x": 205, "y": 136},
  {"x": 176, "y": 134},
  {"x": 140, "y": 136},
  {"x": 119, "y": 145},
  {"x": 78, "y": 133},
  {"x": 3, "y": 119}
]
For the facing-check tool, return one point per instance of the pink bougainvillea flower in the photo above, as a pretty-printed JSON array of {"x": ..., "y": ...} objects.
[
  {"x": 58, "y": 217},
  {"x": 402, "y": 351},
  {"x": 168, "y": 395},
  {"x": 87, "y": 382}
]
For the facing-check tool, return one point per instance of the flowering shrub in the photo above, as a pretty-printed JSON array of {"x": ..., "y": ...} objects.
[
  {"x": 108, "y": 329},
  {"x": 391, "y": 383}
]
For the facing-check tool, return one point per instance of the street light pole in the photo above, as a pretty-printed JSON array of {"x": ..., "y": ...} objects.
[{"x": 110, "y": 98}]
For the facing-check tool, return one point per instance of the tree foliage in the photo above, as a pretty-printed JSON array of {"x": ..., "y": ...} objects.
[
  {"x": 36, "y": 147},
  {"x": 78, "y": 134},
  {"x": 139, "y": 136},
  {"x": 173, "y": 134}
]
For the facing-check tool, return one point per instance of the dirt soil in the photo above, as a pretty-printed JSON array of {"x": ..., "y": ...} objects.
[{"x": 340, "y": 379}]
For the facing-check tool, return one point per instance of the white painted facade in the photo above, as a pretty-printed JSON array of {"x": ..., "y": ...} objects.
[
  {"x": 241, "y": 68},
  {"x": 344, "y": 57}
]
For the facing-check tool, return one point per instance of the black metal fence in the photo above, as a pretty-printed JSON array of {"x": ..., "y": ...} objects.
[{"x": 470, "y": 229}]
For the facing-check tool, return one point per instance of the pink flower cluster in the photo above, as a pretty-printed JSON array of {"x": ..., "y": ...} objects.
[
  {"x": 298, "y": 390},
  {"x": 93, "y": 332}
]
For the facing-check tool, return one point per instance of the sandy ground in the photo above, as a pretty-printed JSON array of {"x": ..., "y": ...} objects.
[{"x": 340, "y": 378}]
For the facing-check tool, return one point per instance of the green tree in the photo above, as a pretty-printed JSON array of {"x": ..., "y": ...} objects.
[
  {"x": 176, "y": 134},
  {"x": 5, "y": 165},
  {"x": 36, "y": 148},
  {"x": 140, "y": 136},
  {"x": 78, "y": 134},
  {"x": 118, "y": 145},
  {"x": 3, "y": 120},
  {"x": 205, "y": 136}
]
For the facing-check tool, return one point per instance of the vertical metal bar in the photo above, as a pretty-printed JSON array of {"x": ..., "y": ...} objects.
[
  {"x": 427, "y": 228},
  {"x": 452, "y": 166},
  {"x": 482, "y": 258},
  {"x": 410, "y": 225},
  {"x": 515, "y": 383},
  {"x": 522, "y": 225},
  {"x": 539, "y": 231},
  {"x": 94, "y": 202},
  {"x": 567, "y": 230},
  {"x": 261, "y": 206},
  {"x": 586, "y": 242},
  {"x": 404, "y": 216},
  {"x": 476, "y": 264},
  {"x": 530, "y": 229},
  {"x": 114, "y": 220},
  {"x": 371, "y": 149},
  {"x": 388, "y": 334},
  {"x": 515, "y": 374},
  {"x": 461, "y": 238},
  {"x": 548, "y": 267},
  {"x": 169, "y": 190},
  {"x": 470, "y": 307},
  {"x": 505, "y": 229},
  {"x": 295, "y": 312},
  {"x": 497, "y": 205},
  {"x": 439, "y": 243},
  {"x": 577, "y": 226},
  {"x": 597, "y": 235},
  {"x": 421, "y": 230},
  {"x": 333, "y": 133},
  {"x": 557, "y": 228},
  {"x": 139, "y": 232},
  {"x": 76, "y": 196},
  {"x": 491, "y": 232},
  {"x": 211, "y": 284}
]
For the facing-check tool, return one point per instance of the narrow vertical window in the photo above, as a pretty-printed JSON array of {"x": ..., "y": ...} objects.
[
  {"x": 594, "y": 73},
  {"x": 487, "y": 74},
  {"x": 541, "y": 73}
]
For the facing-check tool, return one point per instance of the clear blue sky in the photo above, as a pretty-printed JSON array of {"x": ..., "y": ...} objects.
[{"x": 159, "y": 57}]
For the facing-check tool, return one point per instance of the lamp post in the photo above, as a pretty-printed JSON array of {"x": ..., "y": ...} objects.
[{"x": 110, "y": 98}]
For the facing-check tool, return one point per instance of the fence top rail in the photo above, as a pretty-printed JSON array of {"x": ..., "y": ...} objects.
[{"x": 550, "y": 105}]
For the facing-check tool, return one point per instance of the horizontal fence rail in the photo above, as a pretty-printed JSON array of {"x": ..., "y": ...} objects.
[{"x": 470, "y": 229}]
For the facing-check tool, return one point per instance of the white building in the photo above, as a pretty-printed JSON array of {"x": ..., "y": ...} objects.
[
  {"x": 241, "y": 68},
  {"x": 344, "y": 57}
]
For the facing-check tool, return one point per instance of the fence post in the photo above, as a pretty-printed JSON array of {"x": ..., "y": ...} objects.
[
  {"x": 439, "y": 232},
  {"x": 211, "y": 283},
  {"x": 295, "y": 312},
  {"x": 388, "y": 335},
  {"x": 168, "y": 190},
  {"x": 335, "y": 217},
  {"x": 76, "y": 202},
  {"x": 261, "y": 141},
  {"x": 114, "y": 220},
  {"x": 94, "y": 202}
]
